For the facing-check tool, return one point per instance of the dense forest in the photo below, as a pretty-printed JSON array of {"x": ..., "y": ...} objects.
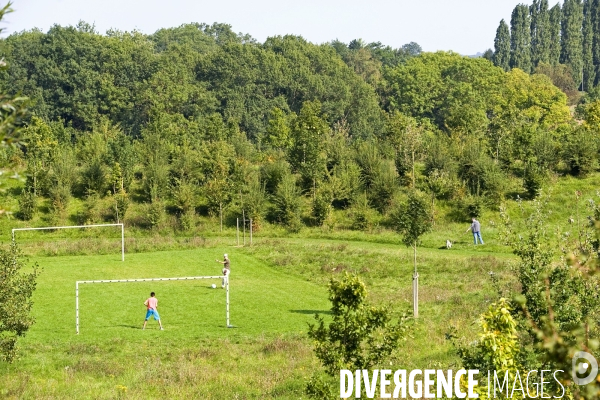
[
  {"x": 562, "y": 42},
  {"x": 198, "y": 120}
]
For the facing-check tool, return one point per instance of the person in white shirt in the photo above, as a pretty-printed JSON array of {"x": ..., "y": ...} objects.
[{"x": 226, "y": 270}]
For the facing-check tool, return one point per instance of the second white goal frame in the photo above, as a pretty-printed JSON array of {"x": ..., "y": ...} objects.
[
  {"x": 78, "y": 226},
  {"x": 149, "y": 280}
]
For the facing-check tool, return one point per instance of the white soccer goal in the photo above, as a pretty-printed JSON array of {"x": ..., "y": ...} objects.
[
  {"x": 78, "y": 226},
  {"x": 149, "y": 280}
]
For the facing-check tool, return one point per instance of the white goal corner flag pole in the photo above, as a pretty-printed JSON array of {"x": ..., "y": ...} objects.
[
  {"x": 149, "y": 280},
  {"x": 78, "y": 226}
]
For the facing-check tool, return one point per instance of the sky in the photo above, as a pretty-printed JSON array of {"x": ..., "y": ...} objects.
[{"x": 463, "y": 26}]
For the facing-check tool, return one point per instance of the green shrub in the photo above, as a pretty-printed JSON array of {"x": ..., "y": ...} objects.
[
  {"x": 16, "y": 290},
  {"x": 581, "y": 151},
  {"x": 121, "y": 205},
  {"x": 60, "y": 195},
  {"x": 439, "y": 156},
  {"x": 533, "y": 179},
  {"x": 345, "y": 183},
  {"x": 546, "y": 150},
  {"x": 94, "y": 177},
  {"x": 473, "y": 207},
  {"x": 497, "y": 347},
  {"x": 384, "y": 186},
  {"x": 361, "y": 213},
  {"x": 321, "y": 206},
  {"x": 287, "y": 202},
  {"x": 359, "y": 335},
  {"x": 184, "y": 197},
  {"x": 321, "y": 386},
  {"x": 440, "y": 185},
  {"x": 187, "y": 220},
  {"x": 494, "y": 182},
  {"x": 27, "y": 205},
  {"x": 90, "y": 213},
  {"x": 413, "y": 217},
  {"x": 155, "y": 213},
  {"x": 369, "y": 159},
  {"x": 254, "y": 201},
  {"x": 272, "y": 173},
  {"x": 471, "y": 166}
]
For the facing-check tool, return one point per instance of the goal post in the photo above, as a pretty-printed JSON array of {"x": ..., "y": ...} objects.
[
  {"x": 77, "y": 283},
  {"x": 78, "y": 226}
]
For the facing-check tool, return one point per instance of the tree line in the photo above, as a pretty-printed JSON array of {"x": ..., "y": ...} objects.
[
  {"x": 541, "y": 38},
  {"x": 200, "y": 120}
]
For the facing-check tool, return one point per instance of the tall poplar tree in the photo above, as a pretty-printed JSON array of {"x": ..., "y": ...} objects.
[
  {"x": 594, "y": 13},
  {"x": 555, "y": 20},
  {"x": 540, "y": 32},
  {"x": 589, "y": 70},
  {"x": 502, "y": 46},
  {"x": 571, "y": 38},
  {"x": 520, "y": 38}
]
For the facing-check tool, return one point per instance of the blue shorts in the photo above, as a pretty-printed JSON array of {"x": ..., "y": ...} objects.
[{"x": 151, "y": 313}]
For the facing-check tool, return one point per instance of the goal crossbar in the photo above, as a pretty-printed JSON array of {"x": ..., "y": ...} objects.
[
  {"x": 77, "y": 226},
  {"x": 185, "y": 278}
]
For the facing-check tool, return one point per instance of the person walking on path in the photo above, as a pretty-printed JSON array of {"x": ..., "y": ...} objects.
[
  {"x": 226, "y": 270},
  {"x": 476, "y": 229},
  {"x": 152, "y": 304}
]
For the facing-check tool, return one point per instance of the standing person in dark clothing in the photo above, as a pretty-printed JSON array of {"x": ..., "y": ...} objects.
[{"x": 476, "y": 229}]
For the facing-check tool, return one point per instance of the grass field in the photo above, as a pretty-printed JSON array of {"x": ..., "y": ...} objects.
[
  {"x": 263, "y": 299},
  {"x": 276, "y": 287},
  {"x": 265, "y": 303}
]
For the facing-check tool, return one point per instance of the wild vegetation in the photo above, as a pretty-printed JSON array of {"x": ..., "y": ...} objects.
[
  {"x": 341, "y": 155},
  {"x": 159, "y": 129}
]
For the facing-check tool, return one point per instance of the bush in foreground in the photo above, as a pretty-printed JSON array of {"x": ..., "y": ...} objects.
[
  {"x": 360, "y": 335},
  {"x": 16, "y": 289}
]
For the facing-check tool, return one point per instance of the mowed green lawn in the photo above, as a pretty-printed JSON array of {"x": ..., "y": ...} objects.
[
  {"x": 262, "y": 300},
  {"x": 276, "y": 288},
  {"x": 196, "y": 356}
]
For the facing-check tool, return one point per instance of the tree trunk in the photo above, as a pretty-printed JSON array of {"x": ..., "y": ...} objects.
[
  {"x": 497, "y": 151},
  {"x": 413, "y": 168},
  {"x": 415, "y": 256},
  {"x": 221, "y": 215},
  {"x": 415, "y": 284},
  {"x": 432, "y": 209}
]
